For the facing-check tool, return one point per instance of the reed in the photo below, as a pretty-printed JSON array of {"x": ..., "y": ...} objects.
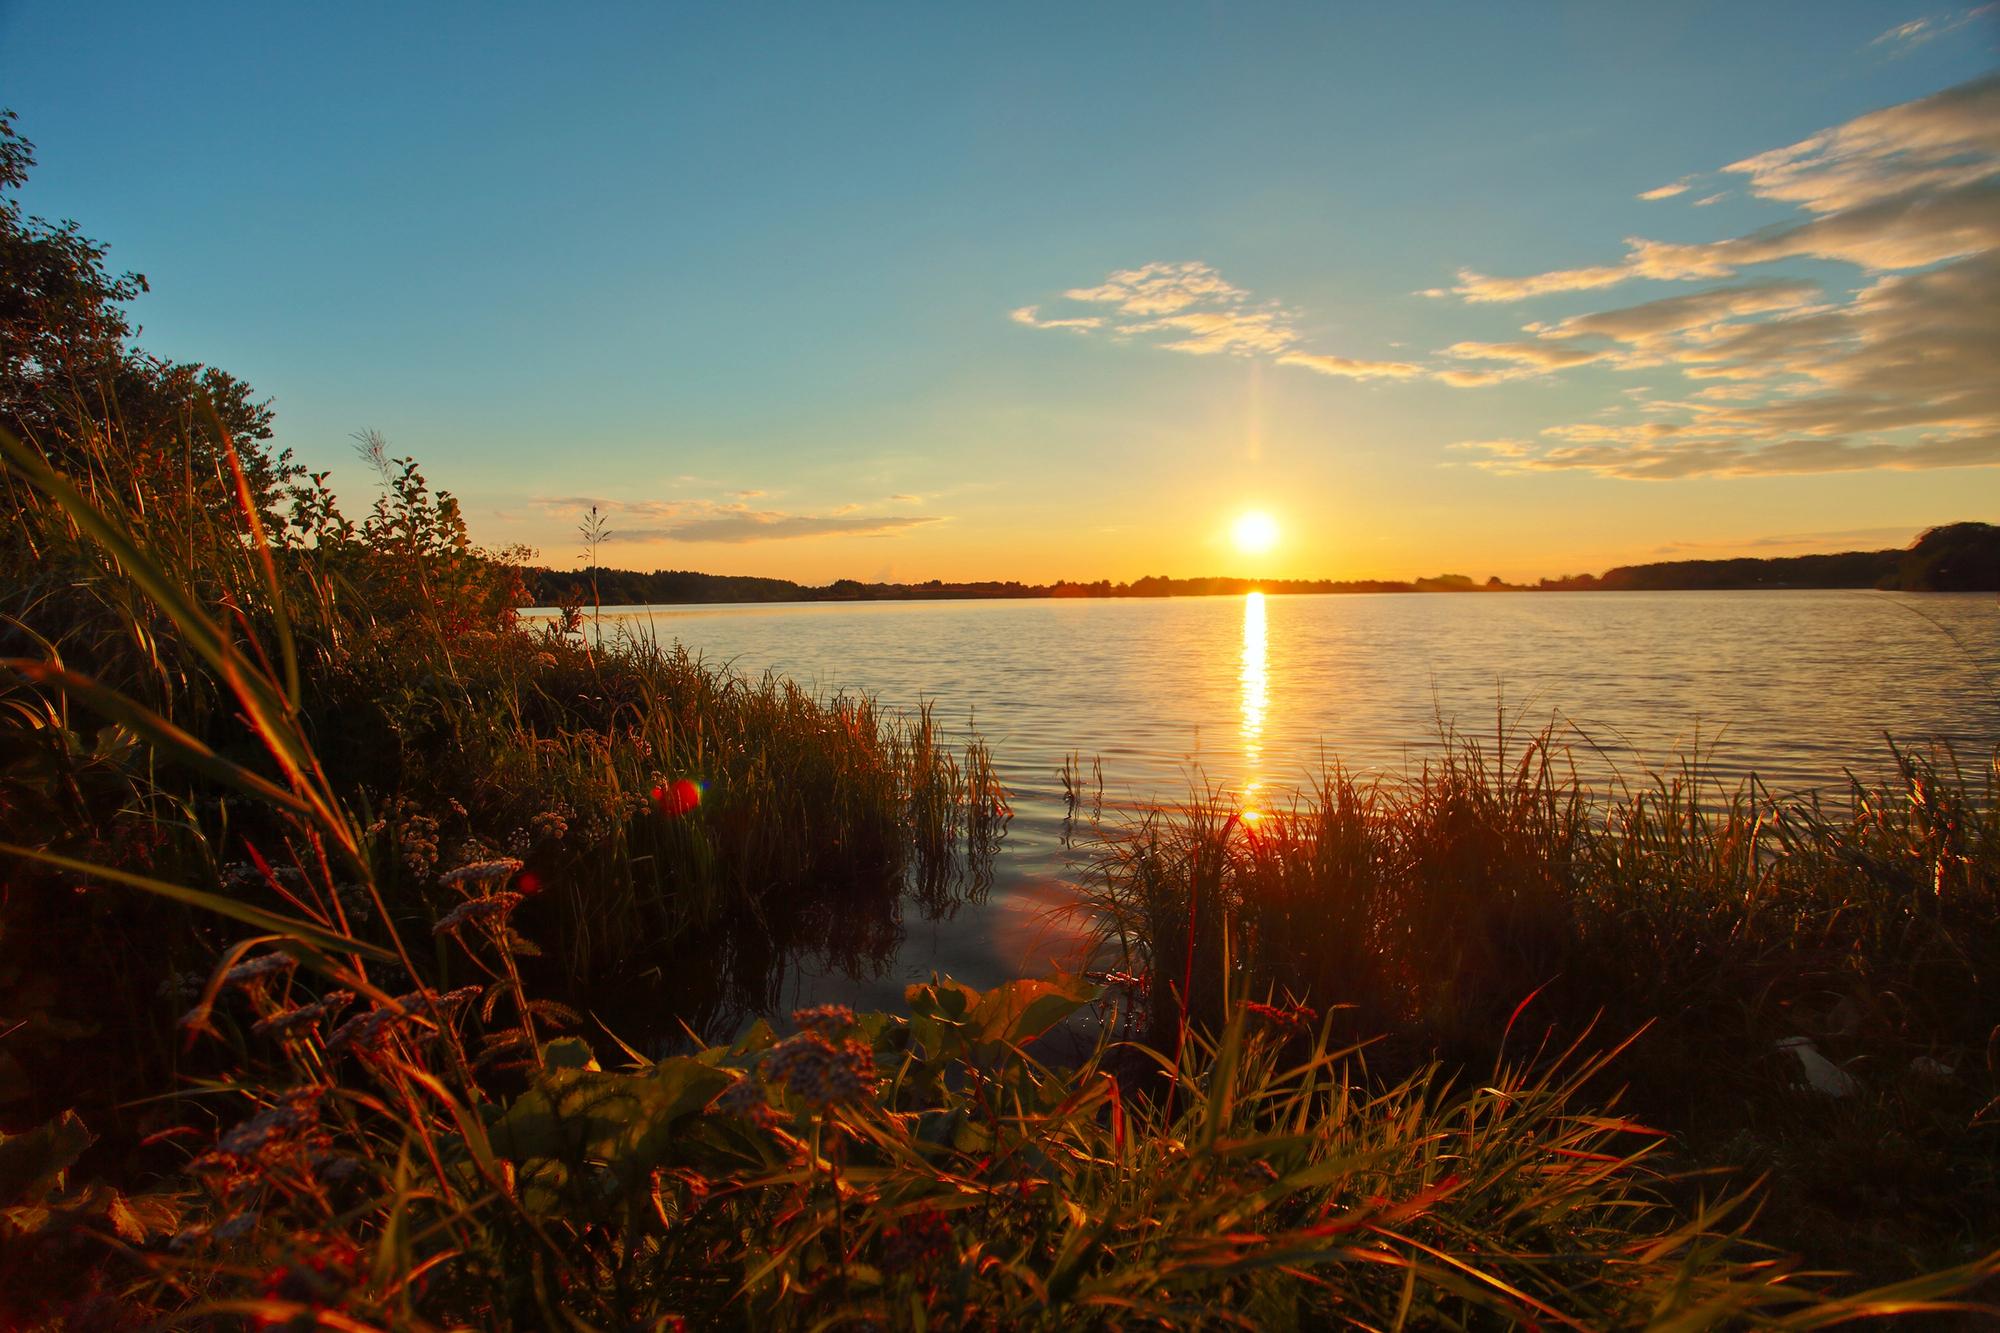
[
  {"x": 371, "y": 1113},
  {"x": 1445, "y": 907}
]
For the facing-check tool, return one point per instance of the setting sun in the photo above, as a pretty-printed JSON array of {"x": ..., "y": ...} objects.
[{"x": 1256, "y": 533}]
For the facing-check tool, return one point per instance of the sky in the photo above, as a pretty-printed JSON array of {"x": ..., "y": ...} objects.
[{"x": 1041, "y": 291}]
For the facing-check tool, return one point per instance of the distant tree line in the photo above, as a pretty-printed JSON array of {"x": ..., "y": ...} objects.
[{"x": 1959, "y": 557}]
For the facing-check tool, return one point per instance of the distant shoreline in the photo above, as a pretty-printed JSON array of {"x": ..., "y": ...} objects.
[
  {"x": 1957, "y": 557},
  {"x": 609, "y": 608}
]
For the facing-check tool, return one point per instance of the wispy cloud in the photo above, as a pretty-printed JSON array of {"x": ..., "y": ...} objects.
[
  {"x": 1031, "y": 316},
  {"x": 1189, "y": 307},
  {"x": 731, "y": 524},
  {"x": 1346, "y": 367},
  {"x": 1780, "y": 375},
  {"x": 1895, "y": 189},
  {"x": 1680, "y": 186},
  {"x": 1905, "y": 37}
]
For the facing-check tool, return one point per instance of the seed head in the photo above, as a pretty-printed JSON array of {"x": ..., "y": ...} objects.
[
  {"x": 501, "y": 868},
  {"x": 494, "y": 907}
]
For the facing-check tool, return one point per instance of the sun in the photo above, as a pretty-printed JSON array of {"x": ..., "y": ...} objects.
[{"x": 1255, "y": 533}]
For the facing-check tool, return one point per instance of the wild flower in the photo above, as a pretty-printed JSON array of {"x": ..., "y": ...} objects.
[
  {"x": 551, "y": 825},
  {"x": 745, "y": 1099},
  {"x": 315, "y": 1281},
  {"x": 363, "y": 1032},
  {"x": 544, "y": 661},
  {"x": 417, "y": 838},
  {"x": 305, "y": 1015},
  {"x": 500, "y": 868},
  {"x": 258, "y": 968},
  {"x": 427, "y": 1001},
  {"x": 828, "y": 1020},
  {"x": 355, "y": 901},
  {"x": 494, "y": 907},
  {"x": 244, "y": 1144},
  {"x": 817, "y": 1069},
  {"x": 917, "y": 1241}
]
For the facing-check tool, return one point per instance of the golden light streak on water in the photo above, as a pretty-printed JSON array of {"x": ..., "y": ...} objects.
[{"x": 1255, "y": 681}]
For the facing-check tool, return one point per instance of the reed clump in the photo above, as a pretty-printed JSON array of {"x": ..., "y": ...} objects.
[{"x": 1479, "y": 895}]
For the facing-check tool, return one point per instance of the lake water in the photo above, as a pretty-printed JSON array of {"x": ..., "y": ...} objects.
[{"x": 1253, "y": 694}]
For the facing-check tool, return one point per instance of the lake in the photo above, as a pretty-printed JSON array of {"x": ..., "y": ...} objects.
[{"x": 1252, "y": 695}]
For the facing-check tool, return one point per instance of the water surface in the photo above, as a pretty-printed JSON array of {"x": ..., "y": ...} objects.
[{"x": 1253, "y": 695}]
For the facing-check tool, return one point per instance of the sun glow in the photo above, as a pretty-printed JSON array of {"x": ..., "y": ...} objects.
[{"x": 1255, "y": 532}]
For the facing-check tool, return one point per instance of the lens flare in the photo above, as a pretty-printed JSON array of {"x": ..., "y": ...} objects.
[{"x": 676, "y": 798}]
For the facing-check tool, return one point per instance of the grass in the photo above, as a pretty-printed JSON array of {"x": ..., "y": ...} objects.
[
  {"x": 346, "y": 814},
  {"x": 1479, "y": 896}
]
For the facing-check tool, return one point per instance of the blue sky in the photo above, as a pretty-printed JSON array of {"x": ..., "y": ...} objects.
[{"x": 808, "y": 290}]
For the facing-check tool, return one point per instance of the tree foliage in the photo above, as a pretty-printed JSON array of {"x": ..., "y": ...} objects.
[{"x": 75, "y": 384}]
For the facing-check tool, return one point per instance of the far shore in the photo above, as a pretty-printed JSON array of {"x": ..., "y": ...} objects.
[{"x": 1956, "y": 557}]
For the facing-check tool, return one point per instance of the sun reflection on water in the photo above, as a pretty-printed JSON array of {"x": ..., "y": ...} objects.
[{"x": 1256, "y": 697}]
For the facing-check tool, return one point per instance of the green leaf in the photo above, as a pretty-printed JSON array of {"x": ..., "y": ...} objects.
[
  {"x": 1020, "y": 1011},
  {"x": 569, "y": 1053},
  {"x": 626, "y": 1121}
]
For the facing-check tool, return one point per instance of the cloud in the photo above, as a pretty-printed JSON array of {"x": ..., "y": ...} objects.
[
  {"x": 1895, "y": 189},
  {"x": 1028, "y": 315},
  {"x": 1675, "y": 314},
  {"x": 1916, "y": 30},
  {"x": 1706, "y": 200},
  {"x": 707, "y": 521},
  {"x": 1497, "y": 448},
  {"x": 1206, "y": 332},
  {"x": 1905, "y": 375},
  {"x": 1908, "y": 36},
  {"x": 1161, "y": 289},
  {"x": 1190, "y": 308},
  {"x": 1948, "y": 138},
  {"x": 1666, "y": 191},
  {"x": 1896, "y": 368},
  {"x": 906, "y": 499},
  {"x": 1721, "y": 458},
  {"x": 1348, "y": 368},
  {"x": 1478, "y": 289},
  {"x": 754, "y": 527}
]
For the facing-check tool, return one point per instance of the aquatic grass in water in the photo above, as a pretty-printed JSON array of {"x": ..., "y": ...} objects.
[{"x": 1470, "y": 896}]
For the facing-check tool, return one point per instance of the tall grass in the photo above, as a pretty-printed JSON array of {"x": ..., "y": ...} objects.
[
  {"x": 381, "y": 1120},
  {"x": 1470, "y": 896}
]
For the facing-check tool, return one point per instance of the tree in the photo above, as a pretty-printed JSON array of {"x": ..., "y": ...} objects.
[{"x": 74, "y": 383}]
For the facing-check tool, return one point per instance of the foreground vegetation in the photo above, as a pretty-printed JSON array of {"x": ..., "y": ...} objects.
[
  {"x": 1814, "y": 984},
  {"x": 375, "y": 1108}
]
